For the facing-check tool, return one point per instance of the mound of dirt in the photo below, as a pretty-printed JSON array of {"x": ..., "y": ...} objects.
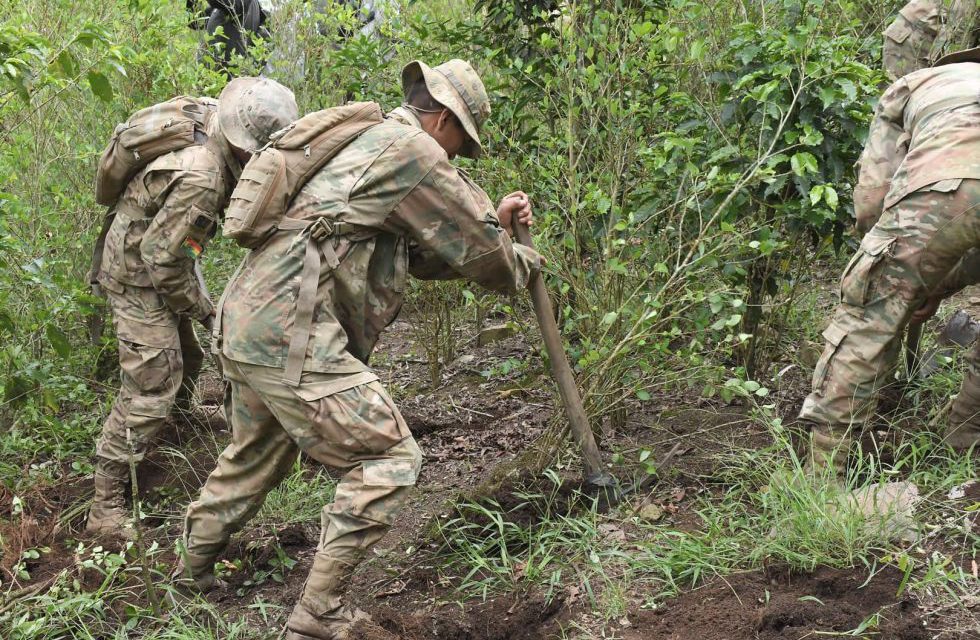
[{"x": 779, "y": 605}]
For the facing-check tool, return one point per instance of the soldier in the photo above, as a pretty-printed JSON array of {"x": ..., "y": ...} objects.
[
  {"x": 909, "y": 39},
  {"x": 919, "y": 186},
  {"x": 389, "y": 204},
  {"x": 149, "y": 274},
  {"x": 925, "y": 30}
]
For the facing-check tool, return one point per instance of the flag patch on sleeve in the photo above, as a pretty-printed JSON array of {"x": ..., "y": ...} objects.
[{"x": 192, "y": 248}]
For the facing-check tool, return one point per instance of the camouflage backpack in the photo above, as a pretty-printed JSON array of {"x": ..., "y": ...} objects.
[
  {"x": 275, "y": 174},
  {"x": 148, "y": 134}
]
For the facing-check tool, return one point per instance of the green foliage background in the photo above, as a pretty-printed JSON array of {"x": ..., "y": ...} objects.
[{"x": 687, "y": 161}]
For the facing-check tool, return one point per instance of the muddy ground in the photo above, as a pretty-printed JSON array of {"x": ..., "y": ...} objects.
[{"x": 468, "y": 427}]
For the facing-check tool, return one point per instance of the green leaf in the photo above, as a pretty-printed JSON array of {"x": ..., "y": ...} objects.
[
  {"x": 803, "y": 162},
  {"x": 642, "y": 394},
  {"x": 67, "y": 63},
  {"x": 610, "y": 317},
  {"x": 816, "y": 194},
  {"x": 830, "y": 197},
  {"x": 100, "y": 86},
  {"x": 59, "y": 341},
  {"x": 642, "y": 28}
]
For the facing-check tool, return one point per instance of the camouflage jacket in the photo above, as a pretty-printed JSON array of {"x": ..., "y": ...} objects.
[
  {"x": 909, "y": 39},
  {"x": 163, "y": 220},
  {"x": 418, "y": 214},
  {"x": 926, "y": 129}
]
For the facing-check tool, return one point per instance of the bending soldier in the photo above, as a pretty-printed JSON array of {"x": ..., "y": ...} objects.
[
  {"x": 149, "y": 274},
  {"x": 389, "y": 204},
  {"x": 919, "y": 193}
]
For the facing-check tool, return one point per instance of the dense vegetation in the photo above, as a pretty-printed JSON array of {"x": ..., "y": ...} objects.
[{"x": 689, "y": 162}]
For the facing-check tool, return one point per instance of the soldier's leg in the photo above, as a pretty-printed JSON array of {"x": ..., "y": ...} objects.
[
  {"x": 259, "y": 456},
  {"x": 964, "y": 416},
  {"x": 357, "y": 429},
  {"x": 193, "y": 357},
  {"x": 149, "y": 379},
  {"x": 900, "y": 261}
]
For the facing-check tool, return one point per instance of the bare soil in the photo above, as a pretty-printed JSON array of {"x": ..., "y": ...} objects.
[
  {"x": 777, "y": 605},
  {"x": 467, "y": 427}
]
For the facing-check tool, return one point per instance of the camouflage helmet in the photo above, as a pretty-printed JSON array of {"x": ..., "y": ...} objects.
[
  {"x": 966, "y": 55},
  {"x": 456, "y": 86},
  {"x": 252, "y": 109}
]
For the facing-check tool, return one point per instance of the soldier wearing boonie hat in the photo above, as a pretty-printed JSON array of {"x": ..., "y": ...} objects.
[
  {"x": 390, "y": 204},
  {"x": 456, "y": 86},
  {"x": 149, "y": 271}
]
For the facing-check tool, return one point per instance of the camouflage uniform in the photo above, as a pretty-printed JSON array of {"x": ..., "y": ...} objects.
[
  {"x": 398, "y": 207},
  {"x": 960, "y": 29},
  {"x": 921, "y": 168},
  {"x": 909, "y": 39},
  {"x": 150, "y": 276},
  {"x": 166, "y": 214},
  {"x": 926, "y": 30}
]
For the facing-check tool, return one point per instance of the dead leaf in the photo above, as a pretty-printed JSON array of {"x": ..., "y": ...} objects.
[
  {"x": 612, "y": 532},
  {"x": 396, "y": 587},
  {"x": 651, "y": 512}
]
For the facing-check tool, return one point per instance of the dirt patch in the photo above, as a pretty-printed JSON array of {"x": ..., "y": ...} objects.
[
  {"x": 780, "y": 605},
  {"x": 512, "y": 617}
]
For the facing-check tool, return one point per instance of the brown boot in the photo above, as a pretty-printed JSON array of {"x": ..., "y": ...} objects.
[
  {"x": 108, "y": 513},
  {"x": 319, "y": 614},
  {"x": 196, "y": 573},
  {"x": 827, "y": 457}
]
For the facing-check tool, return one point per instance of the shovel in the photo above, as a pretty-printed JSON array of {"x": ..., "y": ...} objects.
[{"x": 595, "y": 473}]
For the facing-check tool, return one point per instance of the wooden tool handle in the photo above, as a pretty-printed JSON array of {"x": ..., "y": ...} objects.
[{"x": 560, "y": 369}]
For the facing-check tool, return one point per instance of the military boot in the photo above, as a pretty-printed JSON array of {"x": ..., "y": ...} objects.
[
  {"x": 827, "y": 457},
  {"x": 184, "y": 401},
  {"x": 194, "y": 573},
  {"x": 320, "y": 614},
  {"x": 108, "y": 513}
]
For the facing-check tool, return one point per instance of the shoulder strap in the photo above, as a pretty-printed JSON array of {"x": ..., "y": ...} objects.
[
  {"x": 318, "y": 247},
  {"x": 93, "y": 272}
]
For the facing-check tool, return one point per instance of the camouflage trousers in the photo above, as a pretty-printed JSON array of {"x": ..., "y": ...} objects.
[
  {"x": 901, "y": 260},
  {"x": 346, "y": 421},
  {"x": 157, "y": 362}
]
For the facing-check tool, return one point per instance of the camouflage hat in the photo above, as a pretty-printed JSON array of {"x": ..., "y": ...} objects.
[
  {"x": 456, "y": 86},
  {"x": 966, "y": 55},
  {"x": 252, "y": 109}
]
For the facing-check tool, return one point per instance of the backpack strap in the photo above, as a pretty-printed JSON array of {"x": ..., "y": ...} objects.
[
  {"x": 97, "y": 253},
  {"x": 319, "y": 248}
]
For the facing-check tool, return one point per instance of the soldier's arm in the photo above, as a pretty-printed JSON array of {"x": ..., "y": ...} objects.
[
  {"x": 176, "y": 237},
  {"x": 883, "y": 153},
  {"x": 451, "y": 222}
]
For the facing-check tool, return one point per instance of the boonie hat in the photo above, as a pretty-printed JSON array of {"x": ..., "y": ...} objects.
[
  {"x": 456, "y": 86},
  {"x": 966, "y": 55},
  {"x": 252, "y": 109}
]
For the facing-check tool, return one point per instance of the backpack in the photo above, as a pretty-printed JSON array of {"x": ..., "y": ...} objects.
[
  {"x": 148, "y": 134},
  {"x": 275, "y": 174}
]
